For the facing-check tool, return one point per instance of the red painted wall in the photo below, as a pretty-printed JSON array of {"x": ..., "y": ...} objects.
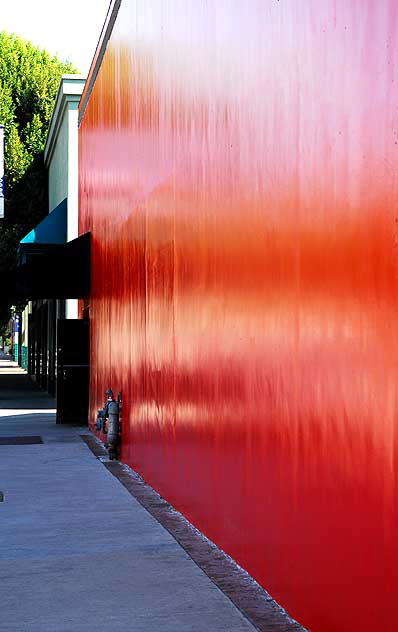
[{"x": 239, "y": 175}]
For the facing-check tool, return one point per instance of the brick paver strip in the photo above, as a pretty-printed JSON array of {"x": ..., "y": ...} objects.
[{"x": 252, "y": 600}]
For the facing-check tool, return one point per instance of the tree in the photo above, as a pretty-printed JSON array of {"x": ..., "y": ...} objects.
[{"x": 29, "y": 79}]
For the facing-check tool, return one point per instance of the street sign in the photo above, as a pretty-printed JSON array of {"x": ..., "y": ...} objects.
[{"x": 1, "y": 171}]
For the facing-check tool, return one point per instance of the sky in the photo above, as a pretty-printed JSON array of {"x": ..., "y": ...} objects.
[{"x": 69, "y": 29}]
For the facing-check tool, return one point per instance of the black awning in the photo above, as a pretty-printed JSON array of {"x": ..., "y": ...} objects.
[{"x": 55, "y": 271}]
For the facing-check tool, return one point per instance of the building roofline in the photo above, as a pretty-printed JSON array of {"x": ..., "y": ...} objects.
[
  {"x": 69, "y": 91},
  {"x": 106, "y": 33}
]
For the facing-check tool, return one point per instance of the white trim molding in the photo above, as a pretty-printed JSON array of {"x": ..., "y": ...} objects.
[{"x": 69, "y": 92}]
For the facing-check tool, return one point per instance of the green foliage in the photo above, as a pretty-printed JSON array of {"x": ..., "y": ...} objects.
[{"x": 29, "y": 79}]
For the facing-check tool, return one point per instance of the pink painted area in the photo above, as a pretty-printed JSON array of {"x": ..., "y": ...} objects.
[{"x": 239, "y": 175}]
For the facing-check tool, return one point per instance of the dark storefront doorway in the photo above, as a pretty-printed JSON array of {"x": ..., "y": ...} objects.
[{"x": 72, "y": 371}]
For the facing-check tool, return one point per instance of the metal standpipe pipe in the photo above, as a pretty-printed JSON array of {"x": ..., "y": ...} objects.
[
  {"x": 108, "y": 422},
  {"x": 113, "y": 429}
]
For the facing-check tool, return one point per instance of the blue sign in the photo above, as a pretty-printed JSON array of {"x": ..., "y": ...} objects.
[{"x": 1, "y": 171}]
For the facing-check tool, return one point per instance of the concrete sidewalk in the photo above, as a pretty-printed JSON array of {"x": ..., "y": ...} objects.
[{"x": 77, "y": 551}]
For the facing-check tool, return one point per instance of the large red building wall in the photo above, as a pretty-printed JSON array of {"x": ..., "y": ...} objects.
[{"x": 239, "y": 175}]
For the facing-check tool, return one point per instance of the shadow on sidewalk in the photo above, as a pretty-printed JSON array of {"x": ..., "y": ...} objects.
[{"x": 18, "y": 392}]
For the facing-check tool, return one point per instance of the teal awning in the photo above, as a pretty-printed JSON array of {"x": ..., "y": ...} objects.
[
  {"x": 51, "y": 230},
  {"x": 50, "y": 267}
]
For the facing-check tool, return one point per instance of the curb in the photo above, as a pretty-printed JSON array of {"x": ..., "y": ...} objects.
[{"x": 244, "y": 592}]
